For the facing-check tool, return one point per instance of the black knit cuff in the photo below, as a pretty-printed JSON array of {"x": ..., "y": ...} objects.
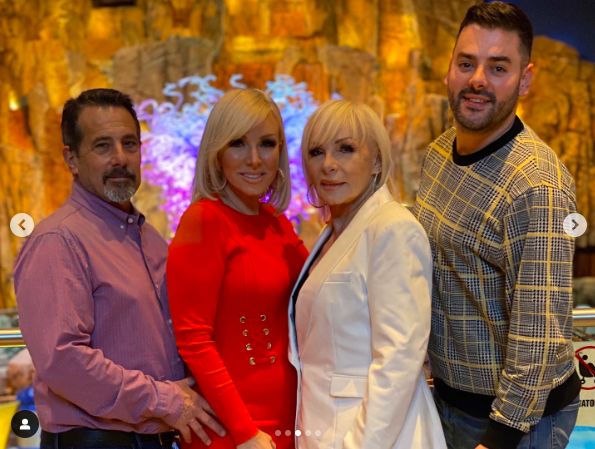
[{"x": 500, "y": 436}]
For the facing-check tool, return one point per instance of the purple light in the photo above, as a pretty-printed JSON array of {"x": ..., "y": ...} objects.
[{"x": 176, "y": 129}]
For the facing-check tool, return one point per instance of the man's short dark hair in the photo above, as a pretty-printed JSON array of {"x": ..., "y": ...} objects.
[
  {"x": 103, "y": 98},
  {"x": 505, "y": 16}
]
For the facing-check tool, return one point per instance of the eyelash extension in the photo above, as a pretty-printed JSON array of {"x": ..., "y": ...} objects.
[{"x": 269, "y": 142}]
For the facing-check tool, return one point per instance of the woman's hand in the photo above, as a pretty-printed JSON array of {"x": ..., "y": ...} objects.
[{"x": 260, "y": 441}]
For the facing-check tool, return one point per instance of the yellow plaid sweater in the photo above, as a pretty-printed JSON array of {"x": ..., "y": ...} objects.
[{"x": 502, "y": 306}]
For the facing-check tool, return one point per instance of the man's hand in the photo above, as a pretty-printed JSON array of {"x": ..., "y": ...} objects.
[
  {"x": 196, "y": 410},
  {"x": 260, "y": 441}
]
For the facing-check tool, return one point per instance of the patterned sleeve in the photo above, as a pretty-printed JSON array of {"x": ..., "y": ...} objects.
[{"x": 539, "y": 291}]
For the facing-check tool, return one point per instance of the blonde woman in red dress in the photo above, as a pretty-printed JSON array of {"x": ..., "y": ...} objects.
[{"x": 231, "y": 268}]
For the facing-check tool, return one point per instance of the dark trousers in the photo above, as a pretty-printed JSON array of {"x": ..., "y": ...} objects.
[
  {"x": 463, "y": 431},
  {"x": 138, "y": 445}
]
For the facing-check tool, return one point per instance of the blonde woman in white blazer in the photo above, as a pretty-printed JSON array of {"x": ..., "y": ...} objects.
[{"x": 360, "y": 312}]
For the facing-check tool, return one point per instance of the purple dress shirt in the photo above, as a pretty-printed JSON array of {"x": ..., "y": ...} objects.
[{"x": 93, "y": 308}]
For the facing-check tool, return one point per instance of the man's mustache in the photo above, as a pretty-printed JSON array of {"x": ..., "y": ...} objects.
[
  {"x": 483, "y": 93},
  {"x": 119, "y": 173}
]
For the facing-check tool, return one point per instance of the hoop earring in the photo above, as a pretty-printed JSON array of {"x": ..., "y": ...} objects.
[
  {"x": 217, "y": 189},
  {"x": 376, "y": 181},
  {"x": 317, "y": 206},
  {"x": 273, "y": 188},
  {"x": 282, "y": 176},
  {"x": 280, "y": 183}
]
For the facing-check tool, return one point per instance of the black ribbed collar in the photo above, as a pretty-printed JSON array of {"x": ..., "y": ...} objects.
[{"x": 503, "y": 140}]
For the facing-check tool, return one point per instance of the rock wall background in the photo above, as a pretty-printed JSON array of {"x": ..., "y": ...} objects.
[{"x": 392, "y": 54}]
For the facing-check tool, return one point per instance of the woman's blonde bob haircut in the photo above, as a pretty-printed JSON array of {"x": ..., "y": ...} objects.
[
  {"x": 355, "y": 120},
  {"x": 236, "y": 113}
]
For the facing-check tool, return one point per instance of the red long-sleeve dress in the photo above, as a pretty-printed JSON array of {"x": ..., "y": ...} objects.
[{"x": 230, "y": 277}]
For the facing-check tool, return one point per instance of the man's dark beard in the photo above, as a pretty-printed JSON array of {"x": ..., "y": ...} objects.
[
  {"x": 121, "y": 191},
  {"x": 497, "y": 114}
]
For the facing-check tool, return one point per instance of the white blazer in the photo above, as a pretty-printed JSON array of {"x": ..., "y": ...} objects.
[{"x": 359, "y": 336}]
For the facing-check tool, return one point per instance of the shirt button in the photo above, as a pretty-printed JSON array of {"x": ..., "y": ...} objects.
[
  {"x": 130, "y": 220},
  {"x": 121, "y": 226}
]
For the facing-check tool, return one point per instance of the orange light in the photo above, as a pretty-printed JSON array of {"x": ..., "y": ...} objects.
[{"x": 13, "y": 101}]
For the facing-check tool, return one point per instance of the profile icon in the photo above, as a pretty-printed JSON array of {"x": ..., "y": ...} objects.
[{"x": 24, "y": 424}]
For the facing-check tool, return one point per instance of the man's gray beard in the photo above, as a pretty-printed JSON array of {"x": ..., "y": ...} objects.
[
  {"x": 497, "y": 115},
  {"x": 121, "y": 192}
]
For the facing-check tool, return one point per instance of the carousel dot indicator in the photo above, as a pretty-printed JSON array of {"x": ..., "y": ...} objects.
[
  {"x": 318, "y": 433},
  {"x": 287, "y": 432},
  {"x": 298, "y": 433},
  {"x": 308, "y": 433},
  {"x": 278, "y": 433}
]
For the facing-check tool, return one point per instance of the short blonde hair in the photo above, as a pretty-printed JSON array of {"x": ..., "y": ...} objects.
[
  {"x": 236, "y": 113},
  {"x": 357, "y": 118}
]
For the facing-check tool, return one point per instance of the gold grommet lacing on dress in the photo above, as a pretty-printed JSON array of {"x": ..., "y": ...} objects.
[{"x": 257, "y": 339}]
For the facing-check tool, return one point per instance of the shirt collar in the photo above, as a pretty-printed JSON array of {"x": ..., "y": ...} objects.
[
  {"x": 502, "y": 141},
  {"x": 103, "y": 209}
]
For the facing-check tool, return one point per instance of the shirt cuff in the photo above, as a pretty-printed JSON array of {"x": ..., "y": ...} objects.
[
  {"x": 171, "y": 402},
  {"x": 501, "y": 436}
]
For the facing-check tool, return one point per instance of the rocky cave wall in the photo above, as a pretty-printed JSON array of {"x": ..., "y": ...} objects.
[{"x": 392, "y": 54}]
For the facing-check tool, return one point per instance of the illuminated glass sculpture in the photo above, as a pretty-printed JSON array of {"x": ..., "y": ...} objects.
[{"x": 176, "y": 128}]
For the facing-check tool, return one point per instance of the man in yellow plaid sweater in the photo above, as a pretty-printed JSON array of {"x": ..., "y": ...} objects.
[{"x": 493, "y": 198}]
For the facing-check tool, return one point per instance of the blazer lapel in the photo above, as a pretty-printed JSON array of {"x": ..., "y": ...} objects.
[
  {"x": 345, "y": 241},
  {"x": 324, "y": 235},
  {"x": 293, "y": 349}
]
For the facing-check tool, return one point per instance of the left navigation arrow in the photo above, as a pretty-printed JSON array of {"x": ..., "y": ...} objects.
[{"x": 22, "y": 225}]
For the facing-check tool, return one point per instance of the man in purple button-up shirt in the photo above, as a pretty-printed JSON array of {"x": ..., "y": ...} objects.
[{"x": 90, "y": 286}]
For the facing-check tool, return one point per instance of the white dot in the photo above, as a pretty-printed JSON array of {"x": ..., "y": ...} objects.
[
  {"x": 318, "y": 433},
  {"x": 308, "y": 433},
  {"x": 298, "y": 433},
  {"x": 288, "y": 432},
  {"x": 278, "y": 433}
]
